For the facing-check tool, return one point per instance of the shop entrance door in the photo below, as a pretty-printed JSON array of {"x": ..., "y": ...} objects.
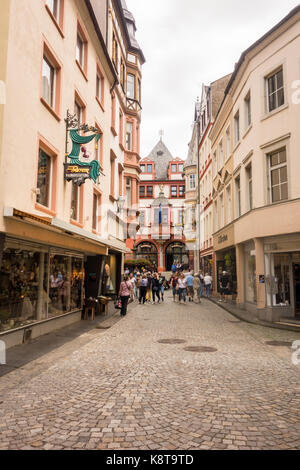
[{"x": 296, "y": 271}]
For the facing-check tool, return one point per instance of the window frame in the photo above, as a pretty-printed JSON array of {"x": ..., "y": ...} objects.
[
  {"x": 52, "y": 152},
  {"x": 274, "y": 73},
  {"x": 83, "y": 67},
  {"x": 273, "y": 168},
  {"x": 58, "y": 22},
  {"x": 50, "y": 57}
]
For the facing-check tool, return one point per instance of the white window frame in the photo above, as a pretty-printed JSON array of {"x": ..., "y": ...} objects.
[
  {"x": 52, "y": 92},
  {"x": 248, "y": 111},
  {"x": 237, "y": 127},
  {"x": 267, "y": 78},
  {"x": 277, "y": 167}
]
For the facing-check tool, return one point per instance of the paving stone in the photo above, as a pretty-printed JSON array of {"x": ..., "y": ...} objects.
[{"x": 124, "y": 390}]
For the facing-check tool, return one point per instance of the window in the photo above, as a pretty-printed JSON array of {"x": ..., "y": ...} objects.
[
  {"x": 128, "y": 192},
  {"x": 237, "y": 127},
  {"x": 174, "y": 191},
  {"x": 221, "y": 156},
  {"x": 112, "y": 174},
  {"x": 173, "y": 168},
  {"x": 48, "y": 82},
  {"x": 122, "y": 74},
  {"x": 275, "y": 90},
  {"x": 249, "y": 187},
  {"x": 75, "y": 202},
  {"x": 215, "y": 216},
  {"x": 142, "y": 191},
  {"x": 215, "y": 164},
  {"x": 95, "y": 211},
  {"x": 142, "y": 219},
  {"x": 139, "y": 91},
  {"x": 54, "y": 7},
  {"x": 100, "y": 87},
  {"x": 121, "y": 128},
  {"x": 150, "y": 191},
  {"x": 181, "y": 191},
  {"x": 129, "y": 136},
  {"x": 78, "y": 110},
  {"x": 80, "y": 50},
  {"x": 180, "y": 168},
  {"x": 192, "y": 180},
  {"x": 115, "y": 51},
  {"x": 248, "y": 118},
  {"x": 238, "y": 196},
  {"x": 143, "y": 168},
  {"x": 165, "y": 216},
  {"x": 44, "y": 178},
  {"x": 149, "y": 168},
  {"x": 180, "y": 217},
  {"x": 221, "y": 211},
  {"x": 278, "y": 175},
  {"x": 228, "y": 143},
  {"x": 229, "y": 205},
  {"x": 130, "y": 86}
]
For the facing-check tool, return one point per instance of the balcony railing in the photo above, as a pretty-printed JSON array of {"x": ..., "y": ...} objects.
[{"x": 133, "y": 105}]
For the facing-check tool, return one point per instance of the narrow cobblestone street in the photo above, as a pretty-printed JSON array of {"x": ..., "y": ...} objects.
[{"x": 123, "y": 389}]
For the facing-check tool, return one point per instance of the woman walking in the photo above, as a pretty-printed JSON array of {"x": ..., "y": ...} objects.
[
  {"x": 143, "y": 289},
  {"x": 182, "y": 287},
  {"x": 125, "y": 292},
  {"x": 155, "y": 288}
]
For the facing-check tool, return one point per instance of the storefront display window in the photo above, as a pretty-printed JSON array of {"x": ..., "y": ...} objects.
[
  {"x": 278, "y": 280},
  {"x": 250, "y": 273},
  {"x": 110, "y": 275},
  {"x": 23, "y": 288},
  {"x": 66, "y": 278},
  {"x": 36, "y": 285}
]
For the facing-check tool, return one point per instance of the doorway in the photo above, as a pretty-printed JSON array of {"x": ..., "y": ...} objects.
[{"x": 296, "y": 271}]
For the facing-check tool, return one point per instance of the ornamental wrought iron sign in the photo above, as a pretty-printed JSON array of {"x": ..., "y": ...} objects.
[{"x": 76, "y": 170}]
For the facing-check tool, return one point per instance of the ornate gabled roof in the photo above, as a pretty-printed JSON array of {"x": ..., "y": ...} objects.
[
  {"x": 160, "y": 200},
  {"x": 161, "y": 156}
]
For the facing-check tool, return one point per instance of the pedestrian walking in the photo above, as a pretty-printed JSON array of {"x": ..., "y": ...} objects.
[
  {"x": 173, "y": 268},
  {"x": 138, "y": 285},
  {"x": 132, "y": 279},
  {"x": 174, "y": 283},
  {"x": 155, "y": 288},
  {"x": 125, "y": 293},
  {"x": 162, "y": 281},
  {"x": 143, "y": 289},
  {"x": 202, "y": 285},
  {"x": 197, "y": 286},
  {"x": 149, "y": 287},
  {"x": 190, "y": 286},
  {"x": 207, "y": 284},
  {"x": 224, "y": 286},
  {"x": 182, "y": 287}
]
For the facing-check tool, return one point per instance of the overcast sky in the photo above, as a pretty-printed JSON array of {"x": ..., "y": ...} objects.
[{"x": 186, "y": 43}]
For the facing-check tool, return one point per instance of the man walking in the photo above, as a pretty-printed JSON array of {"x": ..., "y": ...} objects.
[
  {"x": 190, "y": 286},
  {"x": 182, "y": 287},
  {"x": 207, "y": 284},
  {"x": 224, "y": 286},
  {"x": 197, "y": 287}
]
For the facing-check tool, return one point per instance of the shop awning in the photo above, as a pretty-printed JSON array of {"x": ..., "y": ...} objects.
[{"x": 10, "y": 212}]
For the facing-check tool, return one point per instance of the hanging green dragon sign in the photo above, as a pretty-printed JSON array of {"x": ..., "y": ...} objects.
[{"x": 76, "y": 170}]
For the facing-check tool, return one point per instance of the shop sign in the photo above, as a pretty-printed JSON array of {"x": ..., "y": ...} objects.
[
  {"x": 78, "y": 171},
  {"x": 222, "y": 239}
]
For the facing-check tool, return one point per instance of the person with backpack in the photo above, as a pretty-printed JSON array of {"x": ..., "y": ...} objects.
[
  {"x": 125, "y": 292},
  {"x": 173, "y": 283},
  {"x": 143, "y": 289}
]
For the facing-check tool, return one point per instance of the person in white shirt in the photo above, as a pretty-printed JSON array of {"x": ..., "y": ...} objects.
[
  {"x": 132, "y": 279},
  {"x": 182, "y": 287},
  {"x": 207, "y": 284}
]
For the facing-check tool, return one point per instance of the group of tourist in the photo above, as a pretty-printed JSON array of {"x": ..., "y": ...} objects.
[
  {"x": 144, "y": 287},
  {"x": 184, "y": 286},
  {"x": 147, "y": 287}
]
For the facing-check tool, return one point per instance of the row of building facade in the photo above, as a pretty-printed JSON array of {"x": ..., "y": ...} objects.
[
  {"x": 70, "y": 73},
  {"x": 242, "y": 179}
]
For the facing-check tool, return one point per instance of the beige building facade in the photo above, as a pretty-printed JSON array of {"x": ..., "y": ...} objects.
[
  {"x": 257, "y": 192},
  {"x": 60, "y": 240}
]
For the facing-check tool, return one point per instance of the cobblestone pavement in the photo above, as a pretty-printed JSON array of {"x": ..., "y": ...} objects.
[{"x": 125, "y": 390}]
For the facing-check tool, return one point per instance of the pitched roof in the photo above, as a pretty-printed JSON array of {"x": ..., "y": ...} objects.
[{"x": 161, "y": 156}]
